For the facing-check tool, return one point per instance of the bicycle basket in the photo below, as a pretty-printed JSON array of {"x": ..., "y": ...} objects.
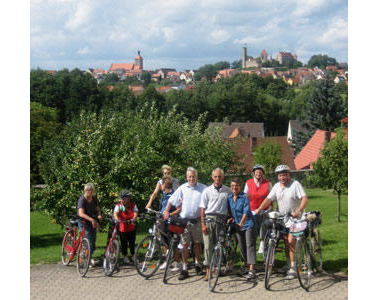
[
  {"x": 314, "y": 217},
  {"x": 176, "y": 229},
  {"x": 298, "y": 228},
  {"x": 274, "y": 214}
]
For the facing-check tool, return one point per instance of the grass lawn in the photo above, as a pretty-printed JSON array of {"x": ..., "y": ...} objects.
[{"x": 46, "y": 237}]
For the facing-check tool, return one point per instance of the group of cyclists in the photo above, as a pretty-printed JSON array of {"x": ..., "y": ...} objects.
[{"x": 198, "y": 203}]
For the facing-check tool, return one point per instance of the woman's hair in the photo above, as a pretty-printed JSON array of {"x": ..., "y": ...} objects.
[
  {"x": 167, "y": 180},
  {"x": 89, "y": 186},
  {"x": 236, "y": 180},
  {"x": 166, "y": 167}
]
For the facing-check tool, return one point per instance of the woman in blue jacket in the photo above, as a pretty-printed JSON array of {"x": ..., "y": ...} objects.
[{"x": 241, "y": 213}]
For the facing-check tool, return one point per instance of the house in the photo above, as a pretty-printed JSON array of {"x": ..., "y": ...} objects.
[
  {"x": 247, "y": 129},
  {"x": 129, "y": 69},
  {"x": 286, "y": 57},
  {"x": 163, "y": 89},
  {"x": 294, "y": 127},
  {"x": 163, "y": 73},
  {"x": 136, "y": 89},
  {"x": 246, "y": 147},
  {"x": 311, "y": 151},
  {"x": 225, "y": 73},
  {"x": 338, "y": 79}
]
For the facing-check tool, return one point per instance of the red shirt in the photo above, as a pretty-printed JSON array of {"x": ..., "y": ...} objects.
[{"x": 257, "y": 194}]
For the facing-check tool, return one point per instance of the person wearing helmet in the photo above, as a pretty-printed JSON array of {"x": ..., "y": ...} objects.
[
  {"x": 291, "y": 199},
  {"x": 126, "y": 209},
  {"x": 257, "y": 189}
]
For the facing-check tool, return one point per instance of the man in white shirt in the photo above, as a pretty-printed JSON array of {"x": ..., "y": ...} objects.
[
  {"x": 188, "y": 196},
  {"x": 291, "y": 198},
  {"x": 213, "y": 205}
]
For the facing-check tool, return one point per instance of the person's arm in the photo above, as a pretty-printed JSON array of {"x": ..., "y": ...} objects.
[
  {"x": 166, "y": 212},
  {"x": 153, "y": 195},
  {"x": 175, "y": 212},
  {"x": 301, "y": 208},
  {"x": 136, "y": 212},
  {"x": 99, "y": 217},
  {"x": 205, "y": 228},
  {"x": 242, "y": 221},
  {"x": 83, "y": 215},
  {"x": 262, "y": 205}
]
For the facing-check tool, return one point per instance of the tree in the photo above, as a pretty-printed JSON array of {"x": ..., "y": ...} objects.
[
  {"x": 117, "y": 150},
  {"x": 110, "y": 79},
  {"x": 331, "y": 168},
  {"x": 44, "y": 125},
  {"x": 236, "y": 64},
  {"x": 222, "y": 65},
  {"x": 146, "y": 78},
  {"x": 321, "y": 61},
  {"x": 268, "y": 154},
  {"x": 208, "y": 71},
  {"x": 324, "y": 110}
]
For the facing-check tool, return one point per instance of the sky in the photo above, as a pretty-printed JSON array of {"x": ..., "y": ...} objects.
[{"x": 182, "y": 34}]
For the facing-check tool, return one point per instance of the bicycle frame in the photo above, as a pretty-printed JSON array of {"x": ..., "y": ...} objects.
[{"x": 77, "y": 241}]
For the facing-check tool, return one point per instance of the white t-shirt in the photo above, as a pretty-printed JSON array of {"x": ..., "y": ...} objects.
[
  {"x": 288, "y": 198},
  {"x": 215, "y": 201}
]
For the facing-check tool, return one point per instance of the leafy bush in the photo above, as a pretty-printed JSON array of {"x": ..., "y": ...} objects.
[{"x": 117, "y": 150}]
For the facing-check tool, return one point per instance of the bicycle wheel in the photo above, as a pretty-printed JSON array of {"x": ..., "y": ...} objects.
[
  {"x": 302, "y": 263},
  {"x": 111, "y": 257},
  {"x": 269, "y": 262},
  {"x": 67, "y": 245},
  {"x": 169, "y": 259},
  {"x": 148, "y": 256},
  {"x": 215, "y": 268},
  {"x": 316, "y": 250},
  {"x": 230, "y": 254},
  {"x": 266, "y": 245},
  {"x": 84, "y": 257}
]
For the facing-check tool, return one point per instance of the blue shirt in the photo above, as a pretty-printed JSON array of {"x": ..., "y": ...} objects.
[
  {"x": 164, "y": 201},
  {"x": 191, "y": 198},
  {"x": 239, "y": 208}
]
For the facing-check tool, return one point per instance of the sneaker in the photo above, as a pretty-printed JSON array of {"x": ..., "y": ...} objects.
[
  {"x": 176, "y": 267},
  {"x": 162, "y": 267},
  {"x": 291, "y": 274},
  {"x": 251, "y": 274},
  {"x": 283, "y": 269},
  {"x": 91, "y": 263},
  {"x": 261, "y": 248},
  {"x": 126, "y": 260},
  {"x": 243, "y": 270},
  {"x": 198, "y": 268},
  {"x": 183, "y": 275}
]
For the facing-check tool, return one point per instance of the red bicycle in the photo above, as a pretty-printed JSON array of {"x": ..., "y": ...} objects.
[
  {"x": 112, "y": 250},
  {"x": 73, "y": 242}
]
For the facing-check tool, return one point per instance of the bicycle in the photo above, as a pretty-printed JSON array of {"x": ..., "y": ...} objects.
[
  {"x": 274, "y": 233},
  {"x": 308, "y": 256},
  {"x": 72, "y": 243},
  {"x": 176, "y": 228},
  {"x": 224, "y": 252},
  {"x": 149, "y": 253},
  {"x": 111, "y": 255}
]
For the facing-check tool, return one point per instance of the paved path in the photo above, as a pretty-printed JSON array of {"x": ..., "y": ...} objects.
[{"x": 61, "y": 282}]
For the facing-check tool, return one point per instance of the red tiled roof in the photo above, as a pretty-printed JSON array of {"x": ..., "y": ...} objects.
[
  {"x": 136, "y": 89},
  {"x": 121, "y": 66},
  {"x": 110, "y": 87},
  {"x": 310, "y": 153},
  {"x": 52, "y": 72},
  {"x": 264, "y": 53},
  {"x": 138, "y": 57}
]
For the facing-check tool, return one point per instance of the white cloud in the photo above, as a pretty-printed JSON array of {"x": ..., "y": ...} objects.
[
  {"x": 191, "y": 30},
  {"x": 83, "y": 51},
  {"x": 219, "y": 36}
]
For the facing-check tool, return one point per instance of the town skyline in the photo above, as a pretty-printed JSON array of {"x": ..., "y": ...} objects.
[{"x": 175, "y": 34}]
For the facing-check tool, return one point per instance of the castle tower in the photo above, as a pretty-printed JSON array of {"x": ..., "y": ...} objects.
[
  {"x": 244, "y": 57},
  {"x": 139, "y": 61}
]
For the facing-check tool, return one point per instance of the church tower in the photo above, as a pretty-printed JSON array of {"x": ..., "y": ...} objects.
[
  {"x": 244, "y": 57},
  {"x": 139, "y": 61}
]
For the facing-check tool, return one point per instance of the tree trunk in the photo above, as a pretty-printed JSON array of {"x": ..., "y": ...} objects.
[{"x": 338, "y": 205}]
